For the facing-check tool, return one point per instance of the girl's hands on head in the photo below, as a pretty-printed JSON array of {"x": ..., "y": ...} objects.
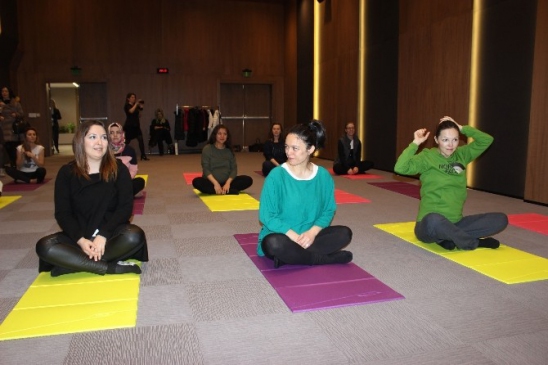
[
  {"x": 420, "y": 136},
  {"x": 451, "y": 119}
]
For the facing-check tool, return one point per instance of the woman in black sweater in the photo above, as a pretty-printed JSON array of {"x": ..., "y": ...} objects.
[{"x": 93, "y": 204}]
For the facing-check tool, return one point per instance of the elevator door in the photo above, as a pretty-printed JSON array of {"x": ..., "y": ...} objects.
[{"x": 246, "y": 110}]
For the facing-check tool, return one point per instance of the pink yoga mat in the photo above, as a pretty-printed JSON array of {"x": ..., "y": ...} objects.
[
  {"x": 530, "y": 221},
  {"x": 400, "y": 187},
  {"x": 21, "y": 186},
  {"x": 308, "y": 288},
  {"x": 139, "y": 204},
  {"x": 361, "y": 177}
]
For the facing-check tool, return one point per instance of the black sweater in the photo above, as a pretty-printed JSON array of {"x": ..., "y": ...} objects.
[{"x": 83, "y": 206}]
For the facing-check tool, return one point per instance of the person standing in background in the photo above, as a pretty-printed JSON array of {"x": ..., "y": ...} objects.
[
  {"x": 132, "y": 126},
  {"x": 55, "y": 117}
]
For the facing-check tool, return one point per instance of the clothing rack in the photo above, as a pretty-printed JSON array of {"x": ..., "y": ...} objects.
[{"x": 191, "y": 126}]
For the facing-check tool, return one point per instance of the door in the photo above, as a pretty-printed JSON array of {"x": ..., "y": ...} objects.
[
  {"x": 246, "y": 110},
  {"x": 92, "y": 99}
]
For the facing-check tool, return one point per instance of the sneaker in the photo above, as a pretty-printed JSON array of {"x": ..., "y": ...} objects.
[{"x": 2, "y": 173}]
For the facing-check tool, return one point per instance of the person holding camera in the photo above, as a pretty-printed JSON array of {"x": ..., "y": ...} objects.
[{"x": 132, "y": 126}]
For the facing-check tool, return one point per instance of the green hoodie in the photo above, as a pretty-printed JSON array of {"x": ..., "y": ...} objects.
[{"x": 443, "y": 183}]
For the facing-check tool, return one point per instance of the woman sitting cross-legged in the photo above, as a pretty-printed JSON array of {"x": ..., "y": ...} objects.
[
  {"x": 93, "y": 203},
  {"x": 274, "y": 150},
  {"x": 219, "y": 169},
  {"x": 126, "y": 154},
  {"x": 298, "y": 205},
  {"x": 443, "y": 188},
  {"x": 29, "y": 161}
]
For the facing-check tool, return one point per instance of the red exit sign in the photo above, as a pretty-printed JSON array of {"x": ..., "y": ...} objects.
[{"x": 162, "y": 70}]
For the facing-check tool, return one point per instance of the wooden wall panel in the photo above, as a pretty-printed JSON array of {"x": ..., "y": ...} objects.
[
  {"x": 536, "y": 180},
  {"x": 338, "y": 69},
  {"x": 434, "y": 65},
  {"x": 202, "y": 42}
]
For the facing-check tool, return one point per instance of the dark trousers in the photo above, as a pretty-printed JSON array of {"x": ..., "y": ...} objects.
[
  {"x": 138, "y": 184},
  {"x": 240, "y": 182},
  {"x": 127, "y": 242},
  {"x": 330, "y": 240},
  {"x": 39, "y": 174},
  {"x": 465, "y": 234},
  {"x": 267, "y": 167},
  {"x": 9, "y": 153},
  {"x": 55, "y": 136},
  {"x": 342, "y": 169},
  {"x": 163, "y": 135}
]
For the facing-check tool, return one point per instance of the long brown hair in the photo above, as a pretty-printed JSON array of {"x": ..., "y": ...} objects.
[{"x": 109, "y": 167}]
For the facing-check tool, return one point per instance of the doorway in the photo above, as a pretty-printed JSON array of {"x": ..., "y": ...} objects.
[
  {"x": 246, "y": 111},
  {"x": 77, "y": 103}
]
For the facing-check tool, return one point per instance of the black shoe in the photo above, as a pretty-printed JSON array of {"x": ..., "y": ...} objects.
[
  {"x": 58, "y": 271},
  {"x": 278, "y": 263},
  {"x": 489, "y": 242},
  {"x": 144, "y": 158},
  {"x": 448, "y": 245}
]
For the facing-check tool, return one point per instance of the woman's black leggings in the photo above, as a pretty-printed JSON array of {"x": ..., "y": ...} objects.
[
  {"x": 128, "y": 241},
  {"x": 39, "y": 174},
  {"x": 239, "y": 183},
  {"x": 330, "y": 240}
]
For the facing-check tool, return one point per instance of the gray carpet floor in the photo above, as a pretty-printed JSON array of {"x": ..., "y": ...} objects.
[{"x": 202, "y": 301}]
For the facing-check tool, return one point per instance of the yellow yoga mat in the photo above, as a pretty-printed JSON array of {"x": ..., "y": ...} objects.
[
  {"x": 73, "y": 303},
  {"x": 7, "y": 200},
  {"x": 505, "y": 264},
  {"x": 145, "y": 177},
  {"x": 227, "y": 203}
]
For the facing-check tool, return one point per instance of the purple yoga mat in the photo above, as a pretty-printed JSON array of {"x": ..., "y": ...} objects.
[
  {"x": 307, "y": 288},
  {"x": 400, "y": 187}
]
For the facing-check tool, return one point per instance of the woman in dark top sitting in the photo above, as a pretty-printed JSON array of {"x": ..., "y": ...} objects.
[
  {"x": 219, "y": 169},
  {"x": 274, "y": 149},
  {"x": 349, "y": 151},
  {"x": 93, "y": 203}
]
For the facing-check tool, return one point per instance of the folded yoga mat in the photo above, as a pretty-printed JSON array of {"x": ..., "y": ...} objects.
[
  {"x": 73, "y": 303},
  {"x": 21, "y": 186},
  {"x": 401, "y": 188},
  {"x": 7, "y": 200},
  {"x": 307, "y": 288},
  {"x": 139, "y": 204},
  {"x": 505, "y": 264},
  {"x": 189, "y": 176},
  {"x": 342, "y": 197},
  {"x": 530, "y": 221},
  {"x": 227, "y": 203}
]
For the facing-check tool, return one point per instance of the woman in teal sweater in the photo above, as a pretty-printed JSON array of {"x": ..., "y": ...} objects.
[
  {"x": 298, "y": 205},
  {"x": 443, "y": 188}
]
